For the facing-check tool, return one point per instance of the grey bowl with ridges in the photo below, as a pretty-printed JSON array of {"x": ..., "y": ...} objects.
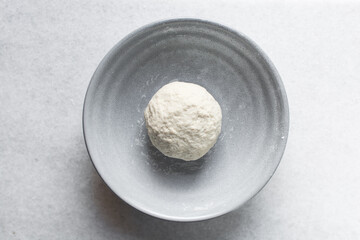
[{"x": 240, "y": 77}]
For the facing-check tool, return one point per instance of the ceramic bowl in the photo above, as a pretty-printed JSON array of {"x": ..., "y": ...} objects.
[{"x": 239, "y": 76}]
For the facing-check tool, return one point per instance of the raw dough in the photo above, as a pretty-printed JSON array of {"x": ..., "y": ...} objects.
[{"x": 183, "y": 120}]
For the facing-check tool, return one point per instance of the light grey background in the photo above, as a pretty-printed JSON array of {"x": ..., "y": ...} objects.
[{"x": 48, "y": 186}]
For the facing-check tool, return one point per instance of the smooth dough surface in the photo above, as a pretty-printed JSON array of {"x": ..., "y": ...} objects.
[{"x": 183, "y": 120}]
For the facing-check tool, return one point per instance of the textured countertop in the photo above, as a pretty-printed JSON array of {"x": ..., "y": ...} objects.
[{"x": 48, "y": 186}]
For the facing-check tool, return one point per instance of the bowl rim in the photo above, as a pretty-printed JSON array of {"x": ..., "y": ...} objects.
[{"x": 285, "y": 118}]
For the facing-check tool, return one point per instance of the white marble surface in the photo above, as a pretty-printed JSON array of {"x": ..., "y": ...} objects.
[{"x": 48, "y": 186}]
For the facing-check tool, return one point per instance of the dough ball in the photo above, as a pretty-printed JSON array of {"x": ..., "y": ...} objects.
[{"x": 183, "y": 120}]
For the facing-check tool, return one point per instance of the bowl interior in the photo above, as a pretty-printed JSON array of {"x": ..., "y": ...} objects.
[{"x": 234, "y": 71}]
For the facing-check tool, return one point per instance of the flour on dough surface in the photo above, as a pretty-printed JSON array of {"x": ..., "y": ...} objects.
[{"x": 183, "y": 120}]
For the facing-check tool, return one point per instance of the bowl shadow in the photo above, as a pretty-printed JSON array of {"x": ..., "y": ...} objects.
[{"x": 123, "y": 220}]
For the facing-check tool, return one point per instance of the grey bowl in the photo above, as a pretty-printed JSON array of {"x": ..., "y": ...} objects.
[{"x": 240, "y": 77}]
